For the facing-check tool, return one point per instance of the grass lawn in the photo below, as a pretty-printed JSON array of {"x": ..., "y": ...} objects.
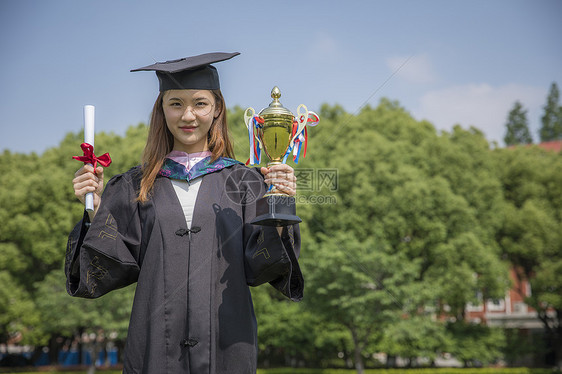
[{"x": 341, "y": 371}]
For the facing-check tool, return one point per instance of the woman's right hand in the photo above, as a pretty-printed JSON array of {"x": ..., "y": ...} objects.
[{"x": 86, "y": 180}]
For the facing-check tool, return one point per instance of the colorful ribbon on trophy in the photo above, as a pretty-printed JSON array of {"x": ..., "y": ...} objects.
[
  {"x": 255, "y": 151},
  {"x": 313, "y": 119},
  {"x": 301, "y": 141},
  {"x": 300, "y": 146}
]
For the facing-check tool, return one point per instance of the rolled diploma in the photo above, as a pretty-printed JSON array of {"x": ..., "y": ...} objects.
[{"x": 89, "y": 111}]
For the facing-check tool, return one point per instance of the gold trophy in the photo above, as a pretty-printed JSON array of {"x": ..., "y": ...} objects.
[{"x": 277, "y": 129}]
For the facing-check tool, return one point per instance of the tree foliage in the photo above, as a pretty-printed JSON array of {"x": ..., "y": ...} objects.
[
  {"x": 412, "y": 232},
  {"x": 551, "y": 120},
  {"x": 37, "y": 211},
  {"x": 418, "y": 225},
  {"x": 517, "y": 127},
  {"x": 531, "y": 236}
]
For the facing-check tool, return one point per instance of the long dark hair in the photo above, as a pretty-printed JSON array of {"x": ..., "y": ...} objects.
[{"x": 160, "y": 142}]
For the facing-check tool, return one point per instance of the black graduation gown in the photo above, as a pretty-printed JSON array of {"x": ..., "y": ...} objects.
[{"x": 192, "y": 311}]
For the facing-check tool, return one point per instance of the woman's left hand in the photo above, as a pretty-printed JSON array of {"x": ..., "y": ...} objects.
[{"x": 283, "y": 177}]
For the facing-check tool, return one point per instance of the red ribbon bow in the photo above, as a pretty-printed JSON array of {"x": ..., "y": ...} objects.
[{"x": 90, "y": 158}]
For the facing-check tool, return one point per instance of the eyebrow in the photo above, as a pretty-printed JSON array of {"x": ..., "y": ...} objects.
[
  {"x": 194, "y": 98},
  {"x": 201, "y": 98},
  {"x": 173, "y": 98}
]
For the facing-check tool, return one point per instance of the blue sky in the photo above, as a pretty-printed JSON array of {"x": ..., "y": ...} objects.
[{"x": 462, "y": 62}]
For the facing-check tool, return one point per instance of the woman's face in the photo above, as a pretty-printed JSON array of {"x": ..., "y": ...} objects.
[{"x": 189, "y": 115}]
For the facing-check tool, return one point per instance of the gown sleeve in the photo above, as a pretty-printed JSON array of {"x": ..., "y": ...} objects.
[
  {"x": 103, "y": 255},
  {"x": 273, "y": 258}
]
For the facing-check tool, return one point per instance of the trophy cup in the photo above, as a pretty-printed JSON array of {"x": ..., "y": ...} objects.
[{"x": 275, "y": 130}]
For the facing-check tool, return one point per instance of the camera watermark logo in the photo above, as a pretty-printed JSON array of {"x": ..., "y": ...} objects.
[{"x": 244, "y": 186}]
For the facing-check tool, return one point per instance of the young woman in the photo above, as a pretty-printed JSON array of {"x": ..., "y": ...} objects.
[{"x": 178, "y": 225}]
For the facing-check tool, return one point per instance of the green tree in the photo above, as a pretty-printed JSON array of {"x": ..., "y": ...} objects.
[
  {"x": 476, "y": 344},
  {"x": 355, "y": 287},
  {"x": 412, "y": 232},
  {"x": 19, "y": 319},
  {"x": 37, "y": 211},
  {"x": 289, "y": 335},
  {"x": 62, "y": 315},
  {"x": 416, "y": 336},
  {"x": 551, "y": 128},
  {"x": 517, "y": 128},
  {"x": 531, "y": 235},
  {"x": 415, "y": 228}
]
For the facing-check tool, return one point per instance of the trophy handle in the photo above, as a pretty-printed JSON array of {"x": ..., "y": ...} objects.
[
  {"x": 302, "y": 117},
  {"x": 248, "y": 116}
]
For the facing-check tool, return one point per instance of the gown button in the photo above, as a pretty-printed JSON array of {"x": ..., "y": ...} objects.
[
  {"x": 189, "y": 343},
  {"x": 181, "y": 232}
]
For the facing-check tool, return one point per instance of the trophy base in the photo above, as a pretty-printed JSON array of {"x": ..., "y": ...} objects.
[{"x": 276, "y": 210}]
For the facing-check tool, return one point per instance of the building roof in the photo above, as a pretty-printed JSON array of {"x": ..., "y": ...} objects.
[{"x": 554, "y": 145}]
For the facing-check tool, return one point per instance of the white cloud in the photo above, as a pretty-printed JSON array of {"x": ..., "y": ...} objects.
[
  {"x": 413, "y": 69},
  {"x": 481, "y": 105}
]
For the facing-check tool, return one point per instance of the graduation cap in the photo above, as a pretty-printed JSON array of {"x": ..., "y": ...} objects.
[{"x": 194, "y": 72}]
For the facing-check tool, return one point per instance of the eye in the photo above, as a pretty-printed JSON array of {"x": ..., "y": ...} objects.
[{"x": 201, "y": 104}]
